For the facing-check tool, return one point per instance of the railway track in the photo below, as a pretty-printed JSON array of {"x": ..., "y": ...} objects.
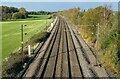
[{"x": 64, "y": 54}]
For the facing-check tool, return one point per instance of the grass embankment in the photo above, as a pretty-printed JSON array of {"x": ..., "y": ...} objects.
[
  {"x": 11, "y": 33},
  {"x": 13, "y": 65}
]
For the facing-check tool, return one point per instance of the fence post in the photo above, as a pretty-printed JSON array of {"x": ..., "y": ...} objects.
[{"x": 29, "y": 50}]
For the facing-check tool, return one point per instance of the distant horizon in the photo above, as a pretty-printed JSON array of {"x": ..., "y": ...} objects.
[{"x": 58, "y": 6}]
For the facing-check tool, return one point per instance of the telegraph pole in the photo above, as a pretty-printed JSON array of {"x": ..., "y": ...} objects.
[
  {"x": 46, "y": 24},
  {"x": 98, "y": 26},
  {"x": 22, "y": 43}
]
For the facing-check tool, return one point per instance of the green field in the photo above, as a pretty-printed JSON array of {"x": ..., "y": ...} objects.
[{"x": 11, "y": 32}]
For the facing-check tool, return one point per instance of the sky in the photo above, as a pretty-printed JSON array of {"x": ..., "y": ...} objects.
[{"x": 58, "y": 6}]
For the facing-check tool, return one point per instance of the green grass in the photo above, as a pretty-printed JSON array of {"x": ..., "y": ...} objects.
[
  {"x": 11, "y": 33},
  {"x": 31, "y": 17},
  {"x": 39, "y": 16}
]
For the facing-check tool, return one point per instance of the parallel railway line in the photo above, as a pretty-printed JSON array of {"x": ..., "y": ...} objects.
[{"x": 64, "y": 54}]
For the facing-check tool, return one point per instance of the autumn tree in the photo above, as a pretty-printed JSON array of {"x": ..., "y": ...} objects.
[
  {"x": 23, "y": 13},
  {"x": 9, "y": 13}
]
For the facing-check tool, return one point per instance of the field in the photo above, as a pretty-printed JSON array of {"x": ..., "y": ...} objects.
[{"x": 11, "y": 33}]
